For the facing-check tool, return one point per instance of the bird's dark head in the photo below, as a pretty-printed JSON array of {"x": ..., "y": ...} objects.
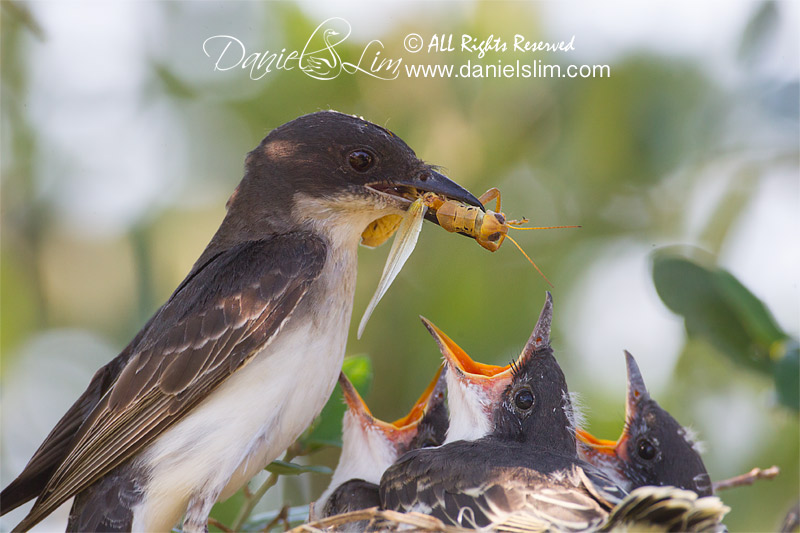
[
  {"x": 535, "y": 407},
  {"x": 330, "y": 169},
  {"x": 526, "y": 400},
  {"x": 432, "y": 427},
  {"x": 654, "y": 449}
]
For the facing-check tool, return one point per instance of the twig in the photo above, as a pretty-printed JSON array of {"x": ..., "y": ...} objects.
[
  {"x": 22, "y": 14},
  {"x": 251, "y": 502},
  {"x": 792, "y": 519},
  {"x": 417, "y": 520},
  {"x": 283, "y": 516},
  {"x": 219, "y": 525},
  {"x": 746, "y": 479}
]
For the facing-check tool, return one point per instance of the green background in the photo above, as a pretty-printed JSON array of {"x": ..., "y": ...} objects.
[{"x": 120, "y": 146}]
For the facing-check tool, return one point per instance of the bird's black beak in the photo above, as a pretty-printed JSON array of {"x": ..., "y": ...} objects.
[
  {"x": 637, "y": 391},
  {"x": 427, "y": 181},
  {"x": 432, "y": 181}
]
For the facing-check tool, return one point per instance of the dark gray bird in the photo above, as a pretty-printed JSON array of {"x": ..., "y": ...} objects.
[
  {"x": 370, "y": 446},
  {"x": 243, "y": 355},
  {"x": 525, "y": 473},
  {"x": 654, "y": 449}
]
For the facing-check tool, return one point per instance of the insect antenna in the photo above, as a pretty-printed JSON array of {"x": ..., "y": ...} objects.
[
  {"x": 529, "y": 259},
  {"x": 510, "y": 225}
]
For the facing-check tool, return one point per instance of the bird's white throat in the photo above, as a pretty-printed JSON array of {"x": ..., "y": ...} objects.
[
  {"x": 366, "y": 454},
  {"x": 470, "y": 414}
]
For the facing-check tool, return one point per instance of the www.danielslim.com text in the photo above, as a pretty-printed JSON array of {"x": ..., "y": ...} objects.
[{"x": 518, "y": 69}]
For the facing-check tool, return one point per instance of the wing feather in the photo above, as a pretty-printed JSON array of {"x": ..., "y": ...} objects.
[
  {"x": 666, "y": 509},
  {"x": 214, "y": 324},
  {"x": 506, "y": 487},
  {"x": 57, "y": 444}
]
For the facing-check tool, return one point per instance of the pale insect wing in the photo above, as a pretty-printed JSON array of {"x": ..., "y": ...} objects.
[{"x": 404, "y": 242}]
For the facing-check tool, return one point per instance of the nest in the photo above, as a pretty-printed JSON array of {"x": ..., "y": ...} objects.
[{"x": 379, "y": 520}]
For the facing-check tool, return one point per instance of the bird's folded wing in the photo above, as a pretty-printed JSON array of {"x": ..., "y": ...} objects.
[
  {"x": 56, "y": 445},
  {"x": 217, "y": 320},
  {"x": 600, "y": 485},
  {"x": 522, "y": 500},
  {"x": 479, "y": 494}
]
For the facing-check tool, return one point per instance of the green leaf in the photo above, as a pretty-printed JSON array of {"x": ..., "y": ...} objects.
[
  {"x": 358, "y": 369},
  {"x": 283, "y": 468},
  {"x": 327, "y": 429},
  {"x": 760, "y": 30},
  {"x": 718, "y": 308},
  {"x": 787, "y": 375},
  {"x": 752, "y": 312}
]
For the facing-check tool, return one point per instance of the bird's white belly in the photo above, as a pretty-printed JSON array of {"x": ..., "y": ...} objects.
[{"x": 247, "y": 422}]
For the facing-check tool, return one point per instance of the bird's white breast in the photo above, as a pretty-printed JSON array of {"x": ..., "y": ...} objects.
[{"x": 257, "y": 412}]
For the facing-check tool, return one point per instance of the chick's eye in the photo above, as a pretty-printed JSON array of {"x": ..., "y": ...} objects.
[
  {"x": 361, "y": 160},
  {"x": 523, "y": 399},
  {"x": 645, "y": 449}
]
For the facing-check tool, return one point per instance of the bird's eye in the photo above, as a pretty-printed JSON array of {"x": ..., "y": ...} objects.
[
  {"x": 645, "y": 449},
  {"x": 361, "y": 160},
  {"x": 523, "y": 399}
]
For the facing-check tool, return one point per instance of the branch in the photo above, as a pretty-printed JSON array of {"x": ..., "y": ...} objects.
[
  {"x": 418, "y": 521},
  {"x": 746, "y": 479},
  {"x": 283, "y": 516},
  {"x": 222, "y": 527},
  {"x": 251, "y": 502}
]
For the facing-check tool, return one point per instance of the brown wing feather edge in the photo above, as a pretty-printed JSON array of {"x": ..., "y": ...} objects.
[
  {"x": 268, "y": 277},
  {"x": 57, "y": 444},
  {"x": 666, "y": 509}
]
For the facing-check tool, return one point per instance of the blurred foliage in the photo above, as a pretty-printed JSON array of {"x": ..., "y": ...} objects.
[
  {"x": 666, "y": 151},
  {"x": 718, "y": 308},
  {"x": 756, "y": 35},
  {"x": 285, "y": 468},
  {"x": 327, "y": 429}
]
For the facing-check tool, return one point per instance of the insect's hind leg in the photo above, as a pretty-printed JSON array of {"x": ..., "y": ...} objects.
[{"x": 490, "y": 195}]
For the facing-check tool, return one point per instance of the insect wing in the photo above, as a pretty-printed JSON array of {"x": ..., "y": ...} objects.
[{"x": 404, "y": 242}]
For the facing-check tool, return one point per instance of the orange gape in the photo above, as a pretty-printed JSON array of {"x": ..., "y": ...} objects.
[{"x": 601, "y": 445}]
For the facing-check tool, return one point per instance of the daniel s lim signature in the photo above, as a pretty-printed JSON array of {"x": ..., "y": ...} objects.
[{"x": 318, "y": 59}]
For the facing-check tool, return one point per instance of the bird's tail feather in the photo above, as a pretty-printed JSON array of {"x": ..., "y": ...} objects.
[{"x": 666, "y": 509}]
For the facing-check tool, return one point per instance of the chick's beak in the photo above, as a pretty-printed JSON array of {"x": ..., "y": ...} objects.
[
  {"x": 403, "y": 430},
  {"x": 636, "y": 392},
  {"x": 594, "y": 447},
  {"x": 353, "y": 399},
  {"x": 492, "y": 379},
  {"x": 417, "y": 412}
]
